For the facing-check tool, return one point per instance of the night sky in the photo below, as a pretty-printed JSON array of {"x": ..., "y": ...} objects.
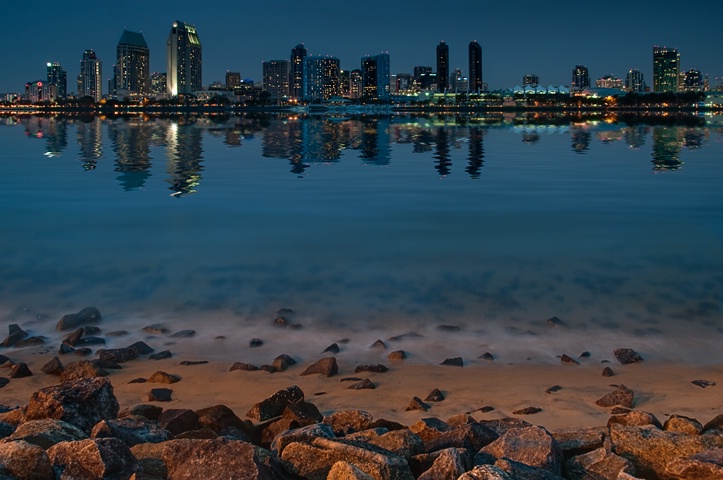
[{"x": 547, "y": 38}]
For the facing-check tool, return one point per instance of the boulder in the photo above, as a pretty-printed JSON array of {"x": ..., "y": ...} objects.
[
  {"x": 472, "y": 437},
  {"x": 627, "y": 355},
  {"x": 142, "y": 348},
  {"x": 345, "y": 422},
  {"x": 219, "y": 418},
  {"x": 303, "y": 435},
  {"x": 86, "y": 316},
  {"x": 598, "y": 463},
  {"x": 636, "y": 418},
  {"x": 274, "y": 405},
  {"x": 502, "y": 425},
  {"x": 342, "y": 470},
  {"x": 620, "y": 396},
  {"x": 46, "y": 433},
  {"x": 107, "y": 458},
  {"x": 83, "y": 402},
  {"x": 707, "y": 464},
  {"x": 715, "y": 424},
  {"x": 131, "y": 430},
  {"x": 460, "y": 419},
  {"x": 533, "y": 446},
  {"x": 486, "y": 472},
  {"x": 14, "y": 416},
  {"x": 25, "y": 461},
  {"x": 447, "y": 465},
  {"x": 178, "y": 420},
  {"x": 118, "y": 355},
  {"x": 402, "y": 442},
  {"x": 151, "y": 412},
  {"x": 160, "y": 395},
  {"x": 429, "y": 429},
  {"x": 15, "y": 334},
  {"x": 20, "y": 370},
  {"x": 81, "y": 369},
  {"x": 519, "y": 470},
  {"x": 305, "y": 413},
  {"x": 397, "y": 355},
  {"x": 681, "y": 424},
  {"x": 163, "y": 377},
  {"x": 326, "y": 366},
  {"x": 53, "y": 367},
  {"x": 577, "y": 441}
]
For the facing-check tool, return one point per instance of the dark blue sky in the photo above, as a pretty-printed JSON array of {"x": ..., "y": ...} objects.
[{"x": 544, "y": 37}]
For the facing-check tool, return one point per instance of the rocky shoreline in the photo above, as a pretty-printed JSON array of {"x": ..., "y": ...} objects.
[{"x": 141, "y": 412}]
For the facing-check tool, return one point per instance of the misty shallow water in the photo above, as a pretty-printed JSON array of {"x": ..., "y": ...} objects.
[{"x": 371, "y": 227}]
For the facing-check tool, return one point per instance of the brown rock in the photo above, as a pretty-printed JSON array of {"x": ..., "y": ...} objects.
[
  {"x": 608, "y": 372},
  {"x": 160, "y": 355},
  {"x": 627, "y": 355},
  {"x": 636, "y": 418},
  {"x": 160, "y": 395},
  {"x": 14, "y": 417},
  {"x": 565, "y": 358},
  {"x": 274, "y": 405},
  {"x": 15, "y": 334},
  {"x": 345, "y": 422},
  {"x": 151, "y": 412},
  {"x": 243, "y": 366},
  {"x": 46, "y": 433},
  {"x": 178, "y": 420},
  {"x": 365, "y": 384},
  {"x": 131, "y": 430},
  {"x": 342, "y": 470},
  {"x": 417, "y": 404},
  {"x": 707, "y": 464},
  {"x": 402, "y": 442},
  {"x": 86, "y": 316},
  {"x": 397, "y": 355},
  {"x": 163, "y": 377},
  {"x": 429, "y": 428},
  {"x": 533, "y": 446},
  {"x": 53, "y": 367},
  {"x": 502, "y": 425},
  {"x": 716, "y": 424},
  {"x": 25, "y": 461},
  {"x": 326, "y": 367},
  {"x": 447, "y": 465},
  {"x": 435, "y": 396},
  {"x": 460, "y": 419},
  {"x": 527, "y": 411},
  {"x": 453, "y": 362},
  {"x": 20, "y": 370},
  {"x": 486, "y": 356},
  {"x": 378, "y": 368},
  {"x": 379, "y": 344},
  {"x": 81, "y": 369},
  {"x": 85, "y": 459},
  {"x": 219, "y": 418},
  {"x": 598, "y": 463},
  {"x": 620, "y": 396},
  {"x": 471, "y": 437},
  {"x": 303, "y": 435},
  {"x": 486, "y": 472},
  {"x": 578, "y": 441}
]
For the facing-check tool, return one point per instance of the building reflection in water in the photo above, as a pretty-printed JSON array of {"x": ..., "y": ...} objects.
[
  {"x": 131, "y": 142},
  {"x": 580, "y": 139},
  {"x": 635, "y": 135},
  {"x": 666, "y": 149},
  {"x": 184, "y": 155},
  {"x": 89, "y": 134},
  {"x": 443, "y": 159},
  {"x": 476, "y": 153},
  {"x": 375, "y": 146},
  {"x": 54, "y": 130}
]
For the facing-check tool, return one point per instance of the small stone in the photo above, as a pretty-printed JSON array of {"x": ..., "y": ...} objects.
[
  {"x": 363, "y": 385},
  {"x": 620, "y": 396},
  {"x": 627, "y": 355},
  {"x": 527, "y": 411},
  {"x": 435, "y": 396},
  {"x": 138, "y": 380},
  {"x": 160, "y": 355},
  {"x": 163, "y": 377},
  {"x": 417, "y": 404},
  {"x": 554, "y": 322},
  {"x": 703, "y": 383},
  {"x": 83, "y": 352},
  {"x": 268, "y": 368},
  {"x": 142, "y": 348},
  {"x": 53, "y": 367},
  {"x": 256, "y": 342},
  {"x": 325, "y": 366},
  {"x": 65, "y": 349},
  {"x": 160, "y": 395},
  {"x": 568, "y": 359},
  {"x": 151, "y": 412},
  {"x": 585, "y": 355},
  {"x": 608, "y": 372},
  {"x": 184, "y": 334},
  {"x": 188, "y": 363},
  {"x": 73, "y": 338},
  {"x": 287, "y": 358},
  {"x": 397, "y": 355},
  {"x": 486, "y": 356},
  {"x": 453, "y": 362},
  {"x": 350, "y": 379},
  {"x": 20, "y": 370},
  {"x": 379, "y": 344},
  {"x": 15, "y": 334},
  {"x": 282, "y": 362},
  {"x": 156, "y": 329},
  {"x": 378, "y": 368},
  {"x": 333, "y": 348},
  {"x": 243, "y": 366},
  {"x": 553, "y": 389}
]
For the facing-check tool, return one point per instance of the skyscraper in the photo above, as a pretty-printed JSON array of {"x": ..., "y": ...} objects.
[
  {"x": 91, "y": 76},
  {"x": 276, "y": 78},
  {"x": 321, "y": 78},
  {"x": 634, "y": 81},
  {"x": 666, "y": 69},
  {"x": 296, "y": 71},
  {"x": 376, "y": 77},
  {"x": 233, "y": 80},
  {"x": 580, "y": 77},
  {"x": 531, "y": 79},
  {"x": 58, "y": 77},
  {"x": 132, "y": 66},
  {"x": 475, "y": 67},
  {"x": 442, "y": 66},
  {"x": 183, "y": 58}
]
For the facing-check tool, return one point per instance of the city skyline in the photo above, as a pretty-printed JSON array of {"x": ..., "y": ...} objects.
[{"x": 515, "y": 40}]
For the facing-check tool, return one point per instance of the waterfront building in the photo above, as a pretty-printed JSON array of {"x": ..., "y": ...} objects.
[
  {"x": 609, "y": 81},
  {"x": 183, "y": 59},
  {"x": 405, "y": 83},
  {"x": 90, "y": 77},
  {"x": 58, "y": 77},
  {"x": 159, "y": 85},
  {"x": 233, "y": 80},
  {"x": 458, "y": 82},
  {"x": 666, "y": 69},
  {"x": 320, "y": 78},
  {"x": 580, "y": 78},
  {"x": 40, "y": 91},
  {"x": 531, "y": 79},
  {"x": 442, "y": 66},
  {"x": 355, "y": 84},
  {"x": 296, "y": 71},
  {"x": 276, "y": 78},
  {"x": 475, "y": 67},
  {"x": 376, "y": 77},
  {"x": 634, "y": 81},
  {"x": 131, "y": 77},
  {"x": 345, "y": 83},
  {"x": 693, "y": 81}
]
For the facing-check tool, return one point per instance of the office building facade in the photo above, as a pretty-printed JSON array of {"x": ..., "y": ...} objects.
[
  {"x": 184, "y": 74},
  {"x": 58, "y": 77},
  {"x": 442, "y": 67},
  {"x": 91, "y": 76},
  {"x": 580, "y": 78},
  {"x": 634, "y": 81},
  {"x": 276, "y": 78},
  {"x": 376, "y": 77},
  {"x": 296, "y": 71},
  {"x": 132, "y": 67},
  {"x": 320, "y": 78},
  {"x": 475, "y": 67},
  {"x": 666, "y": 69}
]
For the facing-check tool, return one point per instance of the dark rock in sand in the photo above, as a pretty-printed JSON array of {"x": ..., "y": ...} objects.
[
  {"x": 268, "y": 368},
  {"x": 142, "y": 348},
  {"x": 188, "y": 363},
  {"x": 30, "y": 342},
  {"x": 160, "y": 355},
  {"x": 91, "y": 330},
  {"x": 83, "y": 352},
  {"x": 608, "y": 372},
  {"x": 351, "y": 379},
  {"x": 86, "y": 316},
  {"x": 65, "y": 349},
  {"x": 448, "y": 464},
  {"x": 118, "y": 355},
  {"x": 83, "y": 402},
  {"x": 81, "y": 369},
  {"x": 405, "y": 336},
  {"x": 585, "y": 355},
  {"x": 715, "y": 425},
  {"x": 53, "y": 367},
  {"x": 635, "y": 418},
  {"x": 325, "y": 366},
  {"x": 178, "y": 420},
  {"x": 183, "y": 334},
  {"x": 486, "y": 356},
  {"x": 274, "y": 405},
  {"x": 131, "y": 430},
  {"x": 15, "y": 334},
  {"x": 107, "y": 458},
  {"x": 430, "y": 428},
  {"x": 304, "y": 413},
  {"x": 703, "y": 383},
  {"x": 201, "y": 433},
  {"x": 707, "y": 464},
  {"x": 4, "y": 381},
  {"x": 681, "y": 424},
  {"x": 333, "y": 348},
  {"x": 379, "y": 344},
  {"x": 73, "y": 338},
  {"x": 598, "y": 463},
  {"x": 243, "y": 366},
  {"x": 345, "y": 422},
  {"x": 578, "y": 441},
  {"x": 138, "y": 380},
  {"x": 417, "y": 404},
  {"x": 460, "y": 419},
  {"x": 286, "y": 358},
  {"x": 107, "y": 364},
  {"x": 627, "y": 355},
  {"x": 553, "y": 389},
  {"x": 24, "y": 461},
  {"x": 365, "y": 384},
  {"x": 565, "y": 358},
  {"x": 377, "y": 368},
  {"x": 163, "y": 377},
  {"x": 527, "y": 411},
  {"x": 282, "y": 362},
  {"x": 448, "y": 328},
  {"x": 46, "y": 433},
  {"x": 255, "y": 342},
  {"x": 435, "y": 396},
  {"x": 160, "y": 395},
  {"x": 554, "y": 322},
  {"x": 620, "y": 396},
  {"x": 472, "y": 437},
  {"x": 397, "y": 355},
  {"x": 151, "y": 412},
  {"x": 20, "y": 370},
  {"x": 91, "y": 340},
  {"x": 453, "y": 362},
  {"x": 156, "y": 329},
  {"x": 533, "y": 446}
]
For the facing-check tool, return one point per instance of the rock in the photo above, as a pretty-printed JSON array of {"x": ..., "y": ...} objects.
[
  {"x": 608, "y": 372},
  {"x": 14, "y": 416},
  {"x": 486, "y": 472},
  {"x": 397, "y": 355},
  {"x": 156, "y": 329},
  {"x": 243, "y": 366},
  {"x": 83, "y": 352},
  {"x": 578, "y": 441},
  {"x": 635, "y": 418},
  {"x": 274, "y": 405},
  {"x": 303, "y": 435},
  {"x": 315, "y": 459},
  {"x": 151, "y": 412},
  {"x": 565, "y": 358},
  {"x": 107, "y": 458},
  {"x": 471, "y": 437},
  {"x": 137, "y": 380},
  {"x": 527, "y": 411},
  {"x": 435, "y": 396},
  {"x": 379, "y": 344},
  {"x": 453, "y": 362},
  {"x": 90, "y": 340},
  {"x": 91, "y": 330},
  {"x": 282, "y": 362},
  {"x": 619, "y": 410},
  {"x": 188, "y": 363},
  {"x": 519, "y": 470},
  {"x": 15, "y": 334},
  {"x": 553, "y": 389},
  {"x": 219, "y": 418},
  {"x": 402, "y": 442},
  {"x": 627, "y": 355},
  {"x": 163, "y": 377},
  {"x": 107, "y": 364},
  {"x": 533, "y": 446},
  {"x": 286, "y": 358},
  {"x": 703, "y": 383},
  {"x": 53, "y": 367},
  {"x": 6, "y": 430},
  {"x": 201, "y": 433},
  {"x": 268, "y": 368},
  {"x": 405, "y": 336},
  {"x": 81, "y": 369},
  {"x": 502, "y": 425},
  {"x": 333, "y": 348},
  {"x": 429, "y": 429},
  {"x": 460, "y": 419},
  {"x": 131, "y": 430},
  {"x": 448, "y": 328},
  {"x": 342, "y": 470},
  {"x": 83, "y": 402},
  {"x": 325, "y": 366},
  {"x": 707, "y": 464},
  {"x": 417, "y": 404},
  {"x": 25, "y": 461},
  {"x": 650, "y": 449},
  {"x": 598, "y": 463},
  {"x": 365, "y": 384},
  {"x": 4, "y": 381},
  {"x": 255, "y": 342},
  {"x": 447, "y": 465},
  {"x": 118, "y": 355},
  {"x": 345, "y": 422},
  {"x": 141, "y": 348},
  {"x": 183, "y": 334},
  {"x": 46, "y": 433},
  {"x": 554, "y": 322},
  {"x": 585, "y": 355},
  {"x": 160, "y": 395},
  {"x": 620, "y": 396},
  {"x": 388, "y": 424},
  {"x": 715, "y": 424},
  {"x": 178, "y": 420},
  {"x": 20, "y": 370},
  {"x": 378, "y": 368},
  {"x": 486, "y": 356},
  {"x": 65, "y": 349},
  {"x": 86, "y": 316},
  {"x": 160, "y": 355}
]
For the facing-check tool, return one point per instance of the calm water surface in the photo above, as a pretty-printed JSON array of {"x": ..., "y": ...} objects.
[{"x": 371, "y": 227}]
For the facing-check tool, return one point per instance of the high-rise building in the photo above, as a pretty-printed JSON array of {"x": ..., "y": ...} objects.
[
  {"x": 666, "y": 69},
  {"x": 233, "y": 80},
  {"x": 609, "y": 81},
  {"x": 458, "y": 82},
  {"x": 296, "y": 71},
  {"x": 531, "y": 79},
  {"x": 132, "y": 66},
  {"x": 58, "y": 77},
  {"x": 376, "y": 77},
  {"x": 404, "y": 83},
  {"x": 91, "y": 76},
  {"x": 442, "y": 66},
  {"x": 475, "y": 67},
  {"x": 276, "y": 78},
  {"x": 159, "y": 84},
  {"x": 580, "y": 78},
  {"x": 421, "y": 70},
  {"x": 693, "y": 81},
  {"x": 183, "y": 59},
  {"x": 355, "y": 84},
  {"x": 40, "y": 91},
  {"x": 634, "y": 81},
  {"x": 345, "y": 83},
  {"x": 320, "y": 78}
]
